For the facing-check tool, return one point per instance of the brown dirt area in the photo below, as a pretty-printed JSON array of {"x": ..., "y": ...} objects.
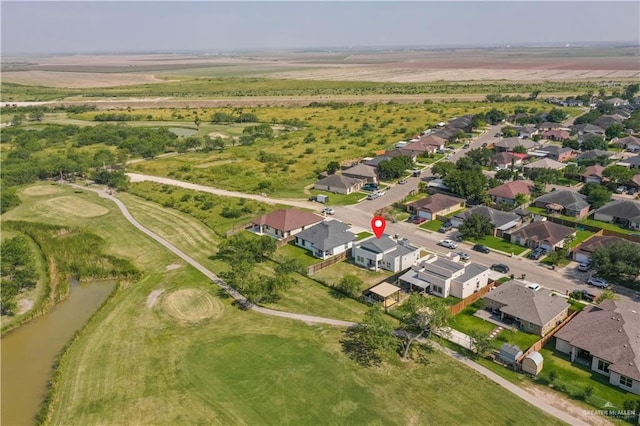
[
  {"x": 569, "y": 407},
  {"x": 78, "y": 80}
]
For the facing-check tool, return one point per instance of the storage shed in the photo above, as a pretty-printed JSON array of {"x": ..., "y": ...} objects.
[
  {"x": 532, "y": 363},
  {"x": 509, "y": 354},
  {"x": 322, "y": 198}
]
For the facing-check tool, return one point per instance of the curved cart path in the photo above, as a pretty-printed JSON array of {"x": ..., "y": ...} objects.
[{"x": 309, "y": 319}]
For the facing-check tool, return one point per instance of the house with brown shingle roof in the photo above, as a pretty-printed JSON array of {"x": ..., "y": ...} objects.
[
  {"x": 544, "y": 234},
  {"x": 592, "y": 174},
  {"x": 534, "y": 311},
  {"x": 284, "y": 223},
  {"x": 362, "y": 171},
  {"x": 508, "y": 144},
  {"x": 435, "y": 206},
  {"x": 582, "y": 253},
  {"x": 556, "y": 135},
  {"x": 339, "y": 184},
  {"x": 503, "y": 160},
  {"x": 607, "y": 338},
  {"x": 507, "y": 192}
]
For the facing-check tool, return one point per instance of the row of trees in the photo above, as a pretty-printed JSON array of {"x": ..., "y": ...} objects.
[{"x": 17, "y": 267}]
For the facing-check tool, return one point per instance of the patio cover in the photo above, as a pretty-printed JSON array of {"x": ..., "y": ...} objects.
[
  {"x": 384, "y": 290},
  {"x": 555, "y": 206}
]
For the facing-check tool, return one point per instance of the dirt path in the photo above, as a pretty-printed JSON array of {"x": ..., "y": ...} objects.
[{"x": 309, "y": 319}]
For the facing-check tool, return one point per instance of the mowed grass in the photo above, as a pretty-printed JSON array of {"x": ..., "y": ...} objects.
[{"x": 498, "y": 244}]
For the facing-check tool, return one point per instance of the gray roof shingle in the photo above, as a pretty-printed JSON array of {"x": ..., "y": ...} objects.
[
  {"x": 567, "y": 199},
  {"x": 625, "y": 209},
  {"x": 327, "y": 235}
]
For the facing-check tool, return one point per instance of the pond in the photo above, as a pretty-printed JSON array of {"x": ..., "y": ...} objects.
[{"x": 28, "y": 352}]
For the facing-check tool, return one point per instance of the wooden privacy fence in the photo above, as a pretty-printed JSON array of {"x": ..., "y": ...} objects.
[
  {"x": 455, "y": 309},
  {"x": 311, "y": 270},
  {"x": 540, "y": 343}
]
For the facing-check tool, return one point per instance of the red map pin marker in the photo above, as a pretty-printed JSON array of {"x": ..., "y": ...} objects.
[{"x": 377, "y": 225}]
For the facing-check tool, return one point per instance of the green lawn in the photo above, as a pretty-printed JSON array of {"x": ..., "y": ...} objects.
[
  {"x": 519, "y": 338},
  {"x": 465, "y": 322},
  {"x": 292, "y": 251},
  {"x": 432, "y": 225},
  {"x": 587, "y": 222},
  {"x": 341, "y": 199},
  {"x": 580, "y": 237},
  {"x": 399, "y": 214},
  {"x": 334, "y": 273},
  {"x": 364, "y": 234},
  {"x": 499, "y": 244},
  {"x": 430, "y": 160}
]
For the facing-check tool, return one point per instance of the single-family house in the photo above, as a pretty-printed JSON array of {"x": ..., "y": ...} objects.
[
  {"x": 544, "y": 234},
  {"x": 508, "y": 144},
  {"x": 502, "y": 221},
  {"x": 339, "y": 184},
  {"x": 534, "y": 311},
  {"x": 433, "y": 140},
  {"x": 507, "y": 192},
  {"x": 400, "y": 152},
  {"x": 447, "y": 132},
  {"x": 556, "y": 135},
  {"x": 385, "y": 253},
  {"x": 605, "y": 121},
  {"x": 558, "y": 153},
  {"x": 629, "y": 143},
  {"x": 568, "y": 203},
  {"x": 444, "y": 277},
  {"x": 505, "y": 160},
  {"x": 572, "y": 103},
  {"x": 545, "y": 163},
  {"x": 634, "y": 182},
  {"x": 435, "y": 206},
  {"x": 284, "y": 223},
  {"x": 326, "y": 239},
  {"x": 631, "y": 162},
  {"x": 420, "y": 148},
  {"x": 462, "y": 123},
  {"x": 617, "y": 102},
  {"x": 526, "y": 132},
  {"x": 625, "y": 213},
  {"x": 606, "y": 337},
  {"x": 592, "y": 174},
  {"x": 583, "y": 251},
  {"x": 587, "y": 129},
  {"x": 549, "y": 125},
  {"x": 363, "y": 172},
  {"x": 593, "y": 154}
]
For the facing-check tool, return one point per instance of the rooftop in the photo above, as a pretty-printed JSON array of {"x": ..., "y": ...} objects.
[
  {"x": 544, "y": 230},
  {"x": 625, "y": 209},
  {"x": 545, "y": 163},
  {"x": 288, "y": 219},
  {"x": 510, "y": 190},
  {"x": 436, "y": 203},
  {"x": 568, "y": 199},
  {"x": 327, "y": 235},
  {"x": 498, "y": 218},
  {"x": 339, "y": 181}
]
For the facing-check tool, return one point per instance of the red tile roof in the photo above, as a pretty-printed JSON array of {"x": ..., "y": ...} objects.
[{"x": 289, "y": 219}]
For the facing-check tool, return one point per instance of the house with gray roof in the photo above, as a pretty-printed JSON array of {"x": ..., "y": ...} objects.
[
  {"x": 544, "y": 234},
  {"x": 435, "y": 206},
  {"x": 534, "y": 311},
  {"x": 339, "y": 184},
  {"x": 326, "y": 239},
  {"x": 508, "y": 144},
  {"x": 592, "y": 154},
  {"x": 606, "y": 337},
  {"x": 625, "y": 213},
  {"x": 502, "y": 221},
  {"x": 446, "y": 276},
  {"x": 385, "y": 253},
  {"x": 565, "y": 202},
  {"x": 545, "y": 163},
  {"x": 587, "y": 129},
  {"x": 629, "y": 143},
  {"x": 583, "y": 251},
  {"x": 362, "y": 171},
  {"x": 631, "y": 162}
]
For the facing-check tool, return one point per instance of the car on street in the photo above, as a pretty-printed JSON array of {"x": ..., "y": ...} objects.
[
  {"x": 463, "y": 255},
  {"x": 598, "y": 282},
  {"x": 373, "y": 196},
  {"x": 448, "y": 244},
  {"x": 402, "y": 181},
  {"x": 328, "y": 210},
  {"x": 584, "y": 267},
  {"x": 534, "y": 286},
  {"x": 481, "y": 248},
  {"x": 448, "y": 157},
  {"x": 370, "y": 186},
  {"x": 500, "y": 267},
  {"x": 465, "y": 146},
  {"x": 537, "y": 253},
  {"x": 445, "y": 227}
]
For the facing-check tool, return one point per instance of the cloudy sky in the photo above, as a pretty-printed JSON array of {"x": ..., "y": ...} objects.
[{"x": 30, "y": 27}]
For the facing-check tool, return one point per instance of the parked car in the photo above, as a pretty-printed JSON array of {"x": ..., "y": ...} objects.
[
  {"x": 402, "y": 181},
  {"x": 583, "y": 295},
  {"x": 534, "y": 286},
  {"x": 632, "y": 191},
  {"x": 445, "y": 227},
  {"x": 621, "y": 190},
  {"x": 463, "y": 255},
  {"x": 328, "y": 210},
  {"x": 381, "y": 193},
  {"x": 481, "y": 248},
  {"x": 420, "y": 220},
  {"x": 537, "y": 253},
  {"x": 313, "y": 198},
  {"x": 465, "y": 146},
  {"x": 584, "y": 267},
  {"x": 448, "y": 157},
  {"x": 598, "y": 282},
  {"x": 500, "y": 267},
  {"x": 370, "y": 186},
  {"x": 448, "y": 244}
]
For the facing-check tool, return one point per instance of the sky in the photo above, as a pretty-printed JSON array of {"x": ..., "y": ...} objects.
[{"x": 35, "y": 27}]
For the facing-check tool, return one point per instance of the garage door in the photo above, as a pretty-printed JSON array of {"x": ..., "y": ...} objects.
[
  {"x": 581, "y": 258},
  {"x": 426, "y": 215}
]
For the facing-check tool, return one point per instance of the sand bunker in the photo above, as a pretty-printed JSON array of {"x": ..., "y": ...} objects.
[
  {"x": 191, "y": 305},
  {"x": 153, "y": 297},
  {"x": 218, "y": 135},
  {"x": 74, "y": 206}
]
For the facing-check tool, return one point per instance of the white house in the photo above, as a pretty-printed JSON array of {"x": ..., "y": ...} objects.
[
  {"x": 385, "y": 253},
  {"x": 443, "y": 277},
  {"x": 326, "y": 239}
]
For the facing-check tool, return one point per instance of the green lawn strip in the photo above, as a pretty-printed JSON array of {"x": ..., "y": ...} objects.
[
  {"x": 577, "y": 377},
  {"x": 499, "y": 244},
  {"x": 417, "y": 196},
  {"x": 452, "y": 214},
  {"x": 334, "y": 273},
  {"x": 364, "y": 234},
  {"x": 465, "y": 322},
  {"x": 431, "y": 225},
  {"x": 398, "y": 213},
  {"x": 580, "y": 237},
  {"x": 561, "y": 263},
  {"x": 340, "y": 199},
  {"x": 575, "y": 222},
  {"x": 519, "y": 338},
  {"x": 292, "y": 251},
  {"x": 430, "y": 160}
]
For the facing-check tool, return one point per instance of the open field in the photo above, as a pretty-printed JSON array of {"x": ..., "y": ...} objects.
[
  {"x": 74, "y": 206},
  {"x": 190, "y": 305}
]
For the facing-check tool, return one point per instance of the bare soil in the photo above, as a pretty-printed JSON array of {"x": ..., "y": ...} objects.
[{"x": 560, "y": 402}]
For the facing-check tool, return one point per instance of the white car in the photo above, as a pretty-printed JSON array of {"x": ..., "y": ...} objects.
[
  {"x": 329, "y": 210},
  {"x": 534, "y": 286},
  {"x": 448, "y": 244},
  {"x": 598, "y": 282},
  {"x": 584, "y": 267}
]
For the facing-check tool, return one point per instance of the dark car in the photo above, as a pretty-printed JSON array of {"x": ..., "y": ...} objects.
[
  {"x": 481, "y": 248},
  {"x": 536, "y": 253},
  {"x": 499, "y": 267},
  {"x": 370, "y": 187},
  {"x": 445, "y": 227},
  {"x": 583, "y": 295}
]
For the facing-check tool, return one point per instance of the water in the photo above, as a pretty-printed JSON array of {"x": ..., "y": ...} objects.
[
  {"x": 28, "y": 352},
  {"x": 181, "y": 131}
]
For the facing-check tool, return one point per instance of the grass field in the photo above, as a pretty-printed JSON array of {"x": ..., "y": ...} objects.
[{"x": 499, "y": 244}]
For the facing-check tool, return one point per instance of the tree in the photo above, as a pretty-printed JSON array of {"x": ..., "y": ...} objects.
[
  {"x": 543, "y": 175},
  {"x": 395, "y": 167},
  {"x": 333, "y": 167},
  {"x": 539, "y": 189},
  {"x": 480, "y": 156},
  {"x": 556, "y": 115},
  {"x": 572, "y": 171},
  {"x": 619, "y": 260},
  {"x": 607, "y": 294},
  {"x": 495, "y": 116},
  {"x": 476, "y": 226},
  {"x": 350, "y": 285},
  {"x": 420, "y": 316},
  {"x": 597, "y": 195},
  {"x": 615, "y": 130},
  {"x": 630, "y": 91},
  {"x": 443, "y": 168},
  {"x": 197, "y": 121},
  {"x": 369, "y": 341},
  {"x": 521, "y": 199},
  {"x": 509, "y": 131},
  {"x": 469, "y": 183},
  {"x": 594, "y": 142},
  {"x": 618, "y": 174},
  {"x": 116, "y": 179},
  {"x": 520, "y": 149},
  {"x": 504, "y": 174},
  {"x": 556, "y": 256},
  {"x": 481, "y": 342}
]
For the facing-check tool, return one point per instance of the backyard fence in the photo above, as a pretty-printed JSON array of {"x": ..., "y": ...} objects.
[
  {"x": 311, "y": 270},
  {"x": 540, "y": 343},
  {"x": 237, "y": 228},
  {"x": 455, "y": 309}
]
